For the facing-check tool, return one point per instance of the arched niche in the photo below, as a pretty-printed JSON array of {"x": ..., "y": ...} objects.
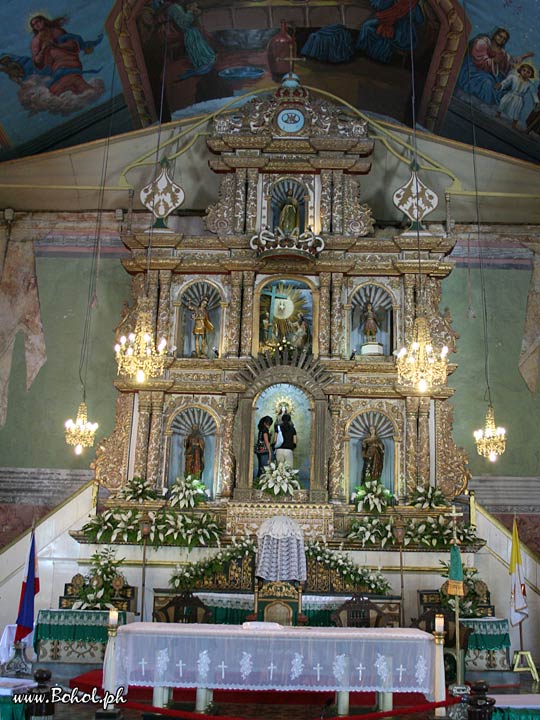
[
  {"x": 181, "y": 431},
  {"x": 357, "y": 432},
  {"x": 288, "y": 196},
  {"x": 308, "y": 376},
  {"x": 371, "y": 306},
  {"x": 296, "y": 402},
  {"x": 199, "y": 320},
  {"x": 286, "y": 310}
]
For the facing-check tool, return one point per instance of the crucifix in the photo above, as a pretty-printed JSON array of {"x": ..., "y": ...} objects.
[
  {"x": 454, "y": 515},
  {"x": 292, "y": 59}
]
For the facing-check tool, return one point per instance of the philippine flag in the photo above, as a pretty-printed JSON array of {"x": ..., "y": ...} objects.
[{"x": 30, "y": 587}]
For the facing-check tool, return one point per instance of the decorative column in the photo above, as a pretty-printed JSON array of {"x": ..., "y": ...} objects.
[
  {"x": 240, "y": 200},
  {"x": 247, "y": 313},
  {"x": 164, "y": 305},
  {"x": 336, "y": 479},
  {"x": 227, "y": 464},
  {"x": 244, "y": 451},
  {"x": 153, "y": 286},
  {"x": 251, "y": 200},
  {"x": 233, "y": 321},
  {"x": 337, "y": 202},
  {"x": 154, "y": 440},
  {"x": 143, "y": 427},
  {"x": 423, "y": 440},
  {"x": 318, "y": 491},
  {"x": 326, "y": 201},
  {"x": 411, "y": 428},
  {"x": 324, "y": 315},
  {"x": 409, "y": 310},
  {"x": 336, "y": 323}
]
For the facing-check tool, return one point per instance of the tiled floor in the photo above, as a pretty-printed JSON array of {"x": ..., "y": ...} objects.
[{"x": 271, "y": 712}]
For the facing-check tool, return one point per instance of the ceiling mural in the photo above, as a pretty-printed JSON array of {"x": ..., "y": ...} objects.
[{"x": 164, "y": 60}]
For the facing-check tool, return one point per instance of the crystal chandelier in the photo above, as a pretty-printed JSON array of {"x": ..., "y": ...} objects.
[
  {"x": 491, "y": 440},
  {"x": 419, "y": 366},
  {"x": 136, "y": 354},
  {"x": 80, "y": 433}
]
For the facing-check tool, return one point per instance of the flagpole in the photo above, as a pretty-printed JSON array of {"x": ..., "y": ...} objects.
[{"x": 459, "y": 666}]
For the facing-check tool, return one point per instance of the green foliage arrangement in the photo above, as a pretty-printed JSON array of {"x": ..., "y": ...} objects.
[{"x": 372, "y": 531}]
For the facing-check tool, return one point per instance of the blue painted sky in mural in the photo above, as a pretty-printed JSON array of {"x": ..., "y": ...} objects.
[{"x": 29, "y": 108}]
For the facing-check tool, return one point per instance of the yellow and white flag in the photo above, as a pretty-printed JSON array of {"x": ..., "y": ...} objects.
[{"x": 518, "y": 602}]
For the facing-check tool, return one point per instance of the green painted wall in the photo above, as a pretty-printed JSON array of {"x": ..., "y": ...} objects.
[
  {"x": 33, "y": 434},
  {"x": 515, "y": 407}
]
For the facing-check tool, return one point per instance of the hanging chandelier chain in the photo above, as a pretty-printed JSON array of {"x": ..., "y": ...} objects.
[{"x": 158, "y": 145}]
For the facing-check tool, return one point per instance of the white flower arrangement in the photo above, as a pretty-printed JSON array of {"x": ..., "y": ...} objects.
[
  {"x": 97, "y": 588},
  {"x": 187, "y": 492},
  {"x": 138, "y": 489},
  {"x": 372, "y": 531},
  {"x": 167, "y": 527},
  {"x": 372, "y": 580},
  {"x": 372, "y": 496},
  {"x": 279, "y": 479},
  {"x": 428, "y": 496},
  {"x": 186, "y": 576}
]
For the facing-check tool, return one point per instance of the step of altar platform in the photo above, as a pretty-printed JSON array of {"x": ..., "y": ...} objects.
[{"x": 40, "y": 486}]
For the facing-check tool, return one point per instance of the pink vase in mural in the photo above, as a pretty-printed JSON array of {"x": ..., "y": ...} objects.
[{"x": 280, "y": 47}]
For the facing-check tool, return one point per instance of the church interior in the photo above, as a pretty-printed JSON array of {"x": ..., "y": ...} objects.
[{"x": 269, "y": 354}]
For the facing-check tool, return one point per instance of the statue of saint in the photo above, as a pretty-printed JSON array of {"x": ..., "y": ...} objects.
[
  {"x": 194, "y": 455},
  {"x": 288, "y": 215},
  {"x": 370, "y": 324},
  {"x": 373, "y": 456},
  {"x": 201, "y": 325}
]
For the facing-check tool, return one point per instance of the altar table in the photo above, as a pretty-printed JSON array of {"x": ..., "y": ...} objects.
[
  {"x": 267, "y": 656},
  {"x": 78, "y": 636}
]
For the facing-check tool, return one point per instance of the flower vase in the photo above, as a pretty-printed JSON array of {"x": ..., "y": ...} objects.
[{"x": 280, "y": 48}]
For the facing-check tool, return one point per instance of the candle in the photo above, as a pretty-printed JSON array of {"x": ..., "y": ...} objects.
[
  {"x": 439, "y": 623},
  {"x": 113, "y": 617}
]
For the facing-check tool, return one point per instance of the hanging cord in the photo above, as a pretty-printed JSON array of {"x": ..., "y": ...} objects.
[
  {"x": 156, "y": 159},
  {"x": 92, "y": 296},
  {"x": 419, "y": 293},
  {"x": 483, "y": 296}
]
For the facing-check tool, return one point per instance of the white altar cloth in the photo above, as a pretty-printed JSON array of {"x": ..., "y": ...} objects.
[{"x": 289, "y": 658}]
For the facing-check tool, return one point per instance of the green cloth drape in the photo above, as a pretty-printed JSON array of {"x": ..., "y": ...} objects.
[
  {"x": 487, "y": 634},
  {"x": 82, "y": 625},
  {"x": 515, "y": 713},
  {"x": 9, "y": 710}
]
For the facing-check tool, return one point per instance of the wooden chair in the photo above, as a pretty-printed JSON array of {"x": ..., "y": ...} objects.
[
  {"x": 278, "y": 601},
  {"x": 184, "y": 608},
  {"x": 359, "y": 611},
  {"x": 426, "y": 622}
]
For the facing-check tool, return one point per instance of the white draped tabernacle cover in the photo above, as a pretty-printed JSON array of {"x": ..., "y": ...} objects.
[
  {"x": 265, "y": 657},
  {"x": 280, "y": 550}
]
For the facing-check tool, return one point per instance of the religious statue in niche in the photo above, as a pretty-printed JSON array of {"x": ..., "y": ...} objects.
[
  {"x": 194, "y": 452},
  {"x": 288, "y": 208},
  {"x": 371, "y": 325},
  {"x": 372, "y": 455},
  {"x": 285, "y": 316},
  {"x": 288, "y": 216},
  {"x": 371, "y": 321},
  {"x": 201, "y": 326}
]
